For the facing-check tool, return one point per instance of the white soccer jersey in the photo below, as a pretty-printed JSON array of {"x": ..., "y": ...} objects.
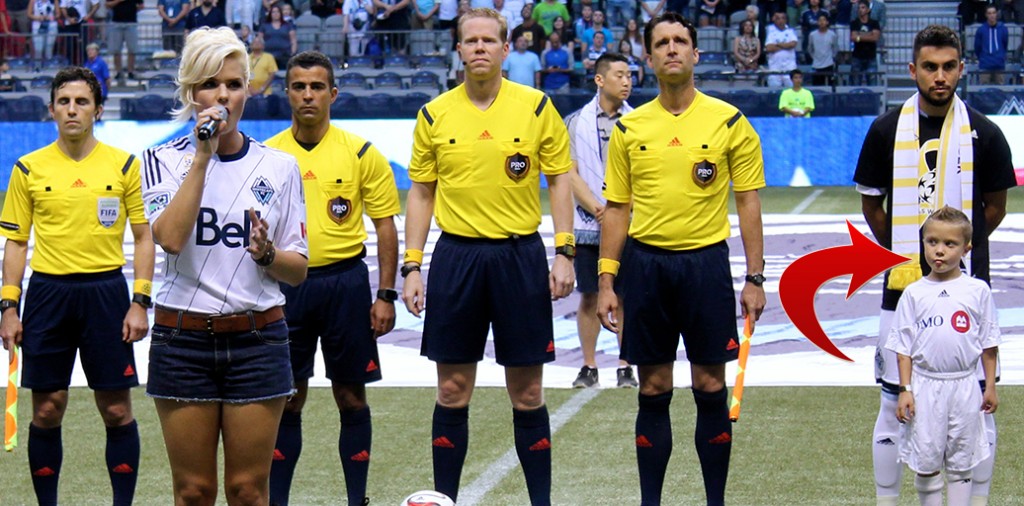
[
  {"x": 214, "y": 274},
  {"x": 944, "y": 326}
]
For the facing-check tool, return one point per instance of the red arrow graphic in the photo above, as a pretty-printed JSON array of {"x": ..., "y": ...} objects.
[{"x": 800, "y": 281}]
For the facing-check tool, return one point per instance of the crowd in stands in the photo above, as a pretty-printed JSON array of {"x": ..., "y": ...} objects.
[{"x": 554, "y": 42}]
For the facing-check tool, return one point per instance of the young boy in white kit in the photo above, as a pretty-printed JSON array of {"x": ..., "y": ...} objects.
[{"x": 943, "y": 324}]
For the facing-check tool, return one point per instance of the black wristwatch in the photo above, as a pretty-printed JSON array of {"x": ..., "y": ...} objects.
[
  {"x": 8, "y": 304},
  {"x": 387, "y": 294},
  {"x": 410, "y": 268},
  {"x": 567, "y": 250},
  {"x": 143, "y": 300},
  {"x": 755, "y": 279}
]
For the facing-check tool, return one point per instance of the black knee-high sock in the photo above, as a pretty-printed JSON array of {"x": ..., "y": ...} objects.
[
  {"x": 354, "y": 449},
  {"x": 713, "y": 439},
  {"x": 45, "y": 455},
  {"x": 123, "y": 461},
  {"x": 533, "y": 445},
  {"x": 286, "y": 456},
  {"x": 450, "y": 436},
  {"x": 653, "y": 444}
]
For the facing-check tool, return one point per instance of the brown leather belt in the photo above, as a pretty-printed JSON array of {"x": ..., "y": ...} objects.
[{"x": 218, "y": 324}]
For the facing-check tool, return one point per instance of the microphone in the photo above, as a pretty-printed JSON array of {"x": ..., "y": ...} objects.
[{"x": 207, "y": 129}]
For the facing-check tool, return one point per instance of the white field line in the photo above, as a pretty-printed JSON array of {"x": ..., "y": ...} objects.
[
  {"x": 799, "y": 209},
  {"x": 475, "y": 492}
]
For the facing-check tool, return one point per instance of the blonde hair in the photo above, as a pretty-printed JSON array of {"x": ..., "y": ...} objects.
[
  {"x": 206, "y": 50},
  {"x": 486, "y": 13}
]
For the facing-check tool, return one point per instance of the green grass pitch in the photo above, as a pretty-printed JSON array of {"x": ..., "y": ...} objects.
[{"x": 792, "y": 446}]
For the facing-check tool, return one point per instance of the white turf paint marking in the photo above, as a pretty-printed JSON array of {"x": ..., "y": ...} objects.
[
  {"x": 807, "y": 201},
  {"x": 475, "y": 492}
]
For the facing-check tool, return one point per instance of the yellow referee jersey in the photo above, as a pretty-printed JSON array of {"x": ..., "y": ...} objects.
[
  {"x": 487, "y": 164},
  {"x": 78, "y": 209},
  {"x": 677, "y": 170},
  {"x": 342, "y": 176}
]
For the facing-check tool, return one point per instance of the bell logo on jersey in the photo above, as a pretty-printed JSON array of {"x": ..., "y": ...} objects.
[
  {"x": 338, "y": 209},
  {"x": 961, "y": 322},
  {"x": 517, "y": 166},
  {"x": 207, "y": 225}
]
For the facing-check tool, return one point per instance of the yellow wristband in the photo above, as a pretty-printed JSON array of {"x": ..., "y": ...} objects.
[
  {"x": 414, "y": 256},
  {"x": 10, "y": 292},
  {"x": 607, "y": 266},
  {"x": 564, "y": 239},
  {"x": 143, "y": 286}
]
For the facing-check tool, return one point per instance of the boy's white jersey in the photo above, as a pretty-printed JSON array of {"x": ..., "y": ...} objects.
[
  {"x": 214, "y": 274},
  {"x": 944, "y": 326}
]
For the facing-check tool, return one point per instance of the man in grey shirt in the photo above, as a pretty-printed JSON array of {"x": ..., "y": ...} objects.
[{"x": 823, "y": 47}]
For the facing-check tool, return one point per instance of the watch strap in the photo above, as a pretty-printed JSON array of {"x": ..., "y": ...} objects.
[{"x": 143, "y": 300}]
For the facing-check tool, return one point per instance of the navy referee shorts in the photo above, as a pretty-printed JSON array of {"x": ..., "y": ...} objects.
[
  {"x": 76, "y": 313},
  {"x": 671, "y": 293},
  {"x": 475, "y": 284}
]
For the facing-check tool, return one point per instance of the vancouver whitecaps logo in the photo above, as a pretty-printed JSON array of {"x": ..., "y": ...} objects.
[{"x": 262, "y": 190}]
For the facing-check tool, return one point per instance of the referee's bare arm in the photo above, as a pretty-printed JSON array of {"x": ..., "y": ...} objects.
[
  {"x": 613, "y": 237},
  {"x": 15, "y": 255},
  {"x": 748, "y": 209},
  {"x": 419, "y": 208},
  {"x": 563, "y": 277},
  {"x": 136, "y": 321}
]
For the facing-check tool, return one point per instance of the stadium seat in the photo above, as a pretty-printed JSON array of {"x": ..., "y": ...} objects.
[
  {"x": 256, "y": 108},
  {"x": 351, "y": 81},
  {"x": 151, "y": 107},
  {"x": 425, "y": 79},
  {"x": 364, "y": 62},
  {"x": 4, "y": 114},
  {"x": 161, "y": 82},
  {"x": 713, "y": 58},
  {"x": 261, "y": 107},
  {"x": 379, "y": 105},
  {"x": 387, "y": 80},
  {"x": 41, "y": 82},
  {"x": 331, "y": 38},
  {"x": 14, "y": 83},
  {"x": 345, "y": 106},
  {"x": 55, "y": 62},
  {"x": 168, "y": 63},
  {"x": 23, "y": 63},
  {"x": 397, "y": 61},
  {"x": 307, "y": 31},
  {"x": 27, "y": 108},
  {"x": 711, "y": 38},
  {"x": 410, "y": 104},
  {"x": 432, "y": 61}
]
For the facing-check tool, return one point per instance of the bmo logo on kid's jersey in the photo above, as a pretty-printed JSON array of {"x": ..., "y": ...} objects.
[
  {"x": 960, "y": 321},
  {"x": 232, "y": 235}
]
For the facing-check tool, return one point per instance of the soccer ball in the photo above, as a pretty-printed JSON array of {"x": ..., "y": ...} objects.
[{"x": 428, "y": 498}]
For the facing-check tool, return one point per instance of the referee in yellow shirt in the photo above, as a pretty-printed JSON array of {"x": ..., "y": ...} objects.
[
  {"x": 675, "y": 158},
  {"x": 478, "y": 153},
  {"x": 78, "y": 194},
  {"x": 343, "y": 176}
]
